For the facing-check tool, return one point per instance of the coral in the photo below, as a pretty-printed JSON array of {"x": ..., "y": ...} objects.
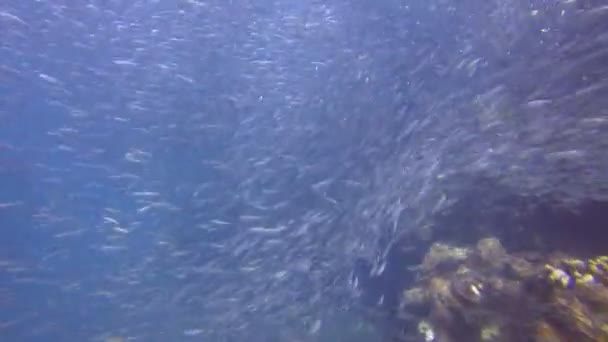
[
  {"x": 487, "y": 294},
  {"x": 519, "y": 268},
  {"x": 443, "y": 255},
  {"x": 491, "y": 252},
  {"x": 414, "y": 296},
  {"x": 489, "y": 333},
  {"x": 558, "y": 276},
  {"x": 545, "y": 332},
  {"x": 426, "y": 330}
]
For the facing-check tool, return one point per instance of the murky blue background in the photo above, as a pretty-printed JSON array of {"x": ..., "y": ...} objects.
[{"x": 212, "y": 170}]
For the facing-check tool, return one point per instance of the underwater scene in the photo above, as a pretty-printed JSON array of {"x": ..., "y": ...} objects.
[{"x": 304, "y": 171}]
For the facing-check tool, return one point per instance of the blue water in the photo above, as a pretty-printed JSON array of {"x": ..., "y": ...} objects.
[{"x": 211, "y": 170}]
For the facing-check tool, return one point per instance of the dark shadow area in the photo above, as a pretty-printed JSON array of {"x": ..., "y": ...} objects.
[
  {"x": 523, "y": 222},
  {"x": 580, "y": 231}
]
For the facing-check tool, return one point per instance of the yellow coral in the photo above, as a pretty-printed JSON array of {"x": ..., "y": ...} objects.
[
  {"x": 575, "y": 263},
  {"x": 585, "y": 279},
  {"x": 593, "y": 268},
  {"x": 558, "y": 276},
  {"x": 602, "y": 259},
  {"x": 599, "y": 263}
]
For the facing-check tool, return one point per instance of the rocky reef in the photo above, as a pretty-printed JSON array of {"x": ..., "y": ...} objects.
[{"x": 488, "y": 293}]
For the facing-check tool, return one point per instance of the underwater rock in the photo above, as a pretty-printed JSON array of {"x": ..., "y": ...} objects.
[
  {"x": 426, "y": 330},
  {"x": 488, "y": 294},
  {"x": 519, "y": 268},
  {"x": 444, "y": 256},
  {"x": 491, "y": 252},
  {"x": 489, "y": 333},
  {"x": 414, "y": 296},
  {"x": 546, "y": 333}
]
